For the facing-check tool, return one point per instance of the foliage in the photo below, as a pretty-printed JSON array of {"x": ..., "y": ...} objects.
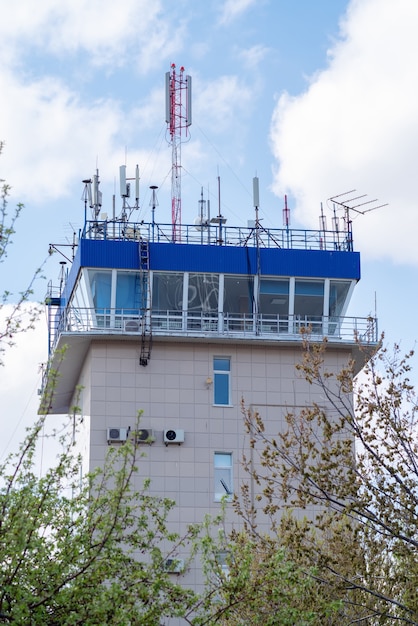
[
  {"x": 19, "y": 316},
  {"x": 84, "y": 550},
  {"x": 251, "y": 581},
  {"x": 362, "y": 539}
]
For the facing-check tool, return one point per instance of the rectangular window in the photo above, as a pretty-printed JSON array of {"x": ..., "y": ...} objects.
[
  {"x": 222, "y": 559},
  {"x": 274, "y": 296},
  {"x": 309, "y": 298},
  {"x": 203, "y": 293},
  {"x": 131, "y": 293},
  {"x": 238, "y": 295},
  {"x": 167, "y": 292},
  {"x": 238, "y": 303},
  {"x": 338, "y": 293},
  {"x": 223, "y": 476},
  {"x": 100, "y": 285},
  {"x": 309, "y": 305},
  {"x": 101, "y": 289},
  {"x": 221, "y": 381}
]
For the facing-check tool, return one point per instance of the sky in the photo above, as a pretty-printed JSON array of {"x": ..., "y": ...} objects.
[{"x": 315, "y": 98}]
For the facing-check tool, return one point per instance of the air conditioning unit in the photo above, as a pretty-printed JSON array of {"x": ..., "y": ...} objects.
[
  {"x": 117, "y": 435},
  {"x": 144, "y": 435},
  {"x": 174, "y": 566},
  {"x": 173, "y": 436},
  {"x": 132, "y": 326}
]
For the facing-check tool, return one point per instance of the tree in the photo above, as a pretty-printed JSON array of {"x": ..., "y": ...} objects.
[
  {"x": 251, "y": 581},
  {"x": 357, "y": 462},
  {"x": 84, "y": 550},
  {"x": 93, "y": 551},
  {"x": 19, "y": 316}
]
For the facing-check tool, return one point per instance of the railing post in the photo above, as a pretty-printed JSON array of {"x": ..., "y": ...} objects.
[{"x": 325, "y": 330}]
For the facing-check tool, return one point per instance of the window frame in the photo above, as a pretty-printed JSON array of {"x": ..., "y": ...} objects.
[
  {"x": 219, "y": 496},
  {"x": 219, "y": 376}
]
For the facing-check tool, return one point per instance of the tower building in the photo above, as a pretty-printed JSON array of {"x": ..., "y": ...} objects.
[
  {"x": 185, "y": 328},
  {"x": 185, "y": 331}
]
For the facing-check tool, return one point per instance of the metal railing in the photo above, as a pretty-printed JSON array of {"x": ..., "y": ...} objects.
[
  {"x": 220, "y": 234},
  {"x": 227, "y": 325}
]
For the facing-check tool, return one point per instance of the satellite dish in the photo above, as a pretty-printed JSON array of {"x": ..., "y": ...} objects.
[{"x": 201, "y": 223}]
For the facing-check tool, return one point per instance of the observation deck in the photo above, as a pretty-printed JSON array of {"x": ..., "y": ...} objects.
[
  {"x": 242, "y": 283},
  {"x": 132, "y": 282}
]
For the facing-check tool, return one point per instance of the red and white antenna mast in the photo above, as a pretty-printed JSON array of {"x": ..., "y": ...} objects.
[{"x": 178, "y": 115}]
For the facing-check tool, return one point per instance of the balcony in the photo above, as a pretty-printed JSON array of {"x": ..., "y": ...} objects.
[{"x": 192, "y": 324}]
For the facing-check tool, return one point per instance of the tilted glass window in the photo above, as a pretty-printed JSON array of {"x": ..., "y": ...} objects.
[
  {"x": 223, "y": 487},
  {"x": 338, "y": 292}
]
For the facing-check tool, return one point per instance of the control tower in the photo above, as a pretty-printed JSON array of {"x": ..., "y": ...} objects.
[
  {"x": 185, "y": 332},
  {"x": 187, "y": 323}
]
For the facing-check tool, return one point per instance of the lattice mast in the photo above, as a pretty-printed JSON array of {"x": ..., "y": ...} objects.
[{"x": 179, "y": 118}]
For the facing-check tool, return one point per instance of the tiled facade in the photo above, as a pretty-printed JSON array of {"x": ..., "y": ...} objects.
[{"x": 174, "y": 392}]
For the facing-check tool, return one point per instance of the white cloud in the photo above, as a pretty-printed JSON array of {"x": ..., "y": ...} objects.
[
  {"x": 20, "y": 378},
  {"x": 356, "y": 127},
  {"x": 235, "y": 8},
  {"x": 253, "y": 56},
  {"x": 222, "y": 102},
  {"x": 49, "y": 135},
  {"x": 102, "y": 28},
  {"x": 55, "y": 136}
]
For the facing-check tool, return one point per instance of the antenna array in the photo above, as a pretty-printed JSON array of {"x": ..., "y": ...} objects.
[
  {"x": 178, "y": 117},
  {"x": 349, "y": 204}
]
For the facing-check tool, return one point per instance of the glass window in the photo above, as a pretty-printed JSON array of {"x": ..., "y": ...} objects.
[
  {"x": 167, "y": 292},
  {"x": 130, "y": 293},
  {"x": 221, "y": 380},
  {"x": 80, "y": 313},
  {"x": 238, "y": 295},
  {"x": 203, "y": 293},
  {"x": 223, "y": 558},
  {"x": 101, "y": 288},
  {"x": 274, "y": 296},
  {"x": 100, "y": 284},
  {"x": 338, "y": 292},
  {"x": 223, "y": 476},
  {"x": 309, "y": 298},
  {"x": 80, "y": 296}
]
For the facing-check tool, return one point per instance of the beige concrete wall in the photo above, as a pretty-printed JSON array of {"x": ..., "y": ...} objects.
[{"x": 173, "y": 393}]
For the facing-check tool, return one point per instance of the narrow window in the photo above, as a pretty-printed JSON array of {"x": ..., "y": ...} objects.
[
  {"x": 101, "y": 290},
  {"x": 223, "y": 476},
  {"x": 222, "y": 559},
  {"x": 221, "y": 381}
]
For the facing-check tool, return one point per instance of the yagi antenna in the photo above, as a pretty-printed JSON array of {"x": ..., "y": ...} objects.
[{"x": 348, "y": 203}]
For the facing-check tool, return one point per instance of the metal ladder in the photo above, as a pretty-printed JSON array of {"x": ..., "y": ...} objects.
[{"x": 146, "y": 328}]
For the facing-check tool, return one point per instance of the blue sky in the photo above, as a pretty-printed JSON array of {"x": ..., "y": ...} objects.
[{"x": 316, "y": 98}]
